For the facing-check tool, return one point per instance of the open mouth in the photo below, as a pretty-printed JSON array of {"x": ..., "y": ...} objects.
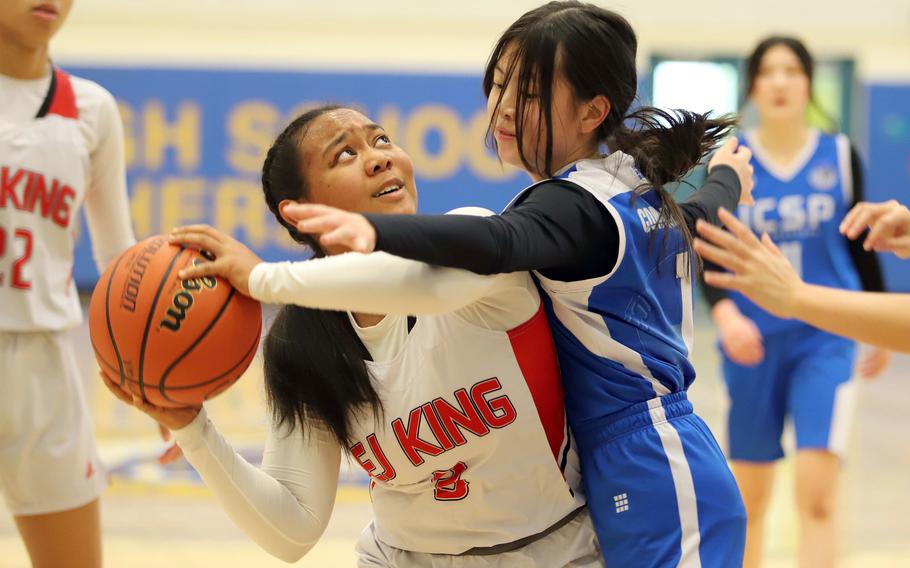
[{"x": 390, "y": 188}]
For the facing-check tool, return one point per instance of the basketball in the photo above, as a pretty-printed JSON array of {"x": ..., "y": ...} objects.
[{"x": 173, "y": 342}]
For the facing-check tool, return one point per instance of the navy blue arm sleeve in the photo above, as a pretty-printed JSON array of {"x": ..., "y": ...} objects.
[
  {"x": 721, "y": 189},
  {"x": 559, "y": 229}
]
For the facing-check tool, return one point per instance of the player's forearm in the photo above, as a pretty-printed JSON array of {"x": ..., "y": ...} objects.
[
  {"x": 260, "y": 505},
  {"x": 376, "y": 283},
  {"x": 721, "y": 189},
  {"x": 875, "y": 318}
]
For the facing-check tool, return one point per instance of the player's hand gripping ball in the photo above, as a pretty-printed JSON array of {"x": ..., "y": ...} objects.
[{"x": 172, "y": 342}]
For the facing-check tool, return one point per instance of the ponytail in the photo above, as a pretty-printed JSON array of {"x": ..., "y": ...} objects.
[{"x": 666, "y": 146}]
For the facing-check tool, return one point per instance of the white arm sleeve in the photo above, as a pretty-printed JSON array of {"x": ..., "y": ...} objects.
[
  {"x": 106, "y": 204},
  {"x": 285, "y": 506},
  {"x": 379, "y": 283}
]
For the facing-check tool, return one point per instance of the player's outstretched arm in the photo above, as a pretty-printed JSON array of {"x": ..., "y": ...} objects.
[
  {"x": 761, "y": 272},
  {"x": 375, "y": 283},
  {"x": 284, "y": 506}
]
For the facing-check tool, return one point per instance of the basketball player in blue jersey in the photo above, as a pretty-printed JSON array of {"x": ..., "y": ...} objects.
[
  {"x": 763, "y": 274},
  {"x": 806, "y": 182},
  {"x": 610, "y": 252}
]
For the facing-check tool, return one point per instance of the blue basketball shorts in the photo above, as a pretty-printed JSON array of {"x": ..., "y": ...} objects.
[
  {"x": 805, "y": 376},
  {"x": 659, "y": 489}
]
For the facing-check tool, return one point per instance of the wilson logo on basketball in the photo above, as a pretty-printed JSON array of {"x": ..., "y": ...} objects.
[{"x": 183, "y": 300}]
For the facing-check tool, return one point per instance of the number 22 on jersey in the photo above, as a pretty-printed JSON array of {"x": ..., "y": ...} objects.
[{"x": 7, "y": 245}]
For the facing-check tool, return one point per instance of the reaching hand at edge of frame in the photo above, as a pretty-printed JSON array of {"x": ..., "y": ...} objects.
[
  {"x": 338, "y": 230},
  {"x": 757, "y": 268},
  {"x": 232, "y": 260},
  {"x": 739, "y": 158},
  {"x": 888, "y": 224}
]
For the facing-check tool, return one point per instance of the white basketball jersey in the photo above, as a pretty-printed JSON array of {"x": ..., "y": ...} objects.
[
  {"x": 472, "y": 445},
  {"x": 44, "y": 172}
]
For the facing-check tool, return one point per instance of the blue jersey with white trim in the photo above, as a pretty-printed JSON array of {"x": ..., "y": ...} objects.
[
  {"x": 801, "y": 209},
  {"x": 624, "y": 337}
]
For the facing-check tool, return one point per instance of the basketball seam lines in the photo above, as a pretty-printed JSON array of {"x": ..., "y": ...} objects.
[
  {"x": 107, "y": 316},
  {"x": 193, "y": 345},
  {"x": 101, "y": 359},
  {"x": 251, "y": 349},
  {"x": 148, "y": 323}
]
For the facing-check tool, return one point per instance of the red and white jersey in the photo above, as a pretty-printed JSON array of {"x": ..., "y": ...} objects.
[
  {"x": 473, "y": 445},
  {"x": 61, "y": 144}
]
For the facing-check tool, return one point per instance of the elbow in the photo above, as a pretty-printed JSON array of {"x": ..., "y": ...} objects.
[
  {"x": 294, "y": 557},
  {"x": 488, "y": 265},
  {"x": 488, "y": 269},
  {"x": 292, "y": 554}
]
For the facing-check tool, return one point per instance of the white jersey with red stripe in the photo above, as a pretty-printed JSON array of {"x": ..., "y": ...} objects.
[
  {"x": 61, "y": 144},
  {"x": 471, "y": 449},
  {"x": 473, "y": 445}
]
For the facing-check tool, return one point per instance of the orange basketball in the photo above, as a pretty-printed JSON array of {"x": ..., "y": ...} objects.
[{"x": 174, "y": 342}]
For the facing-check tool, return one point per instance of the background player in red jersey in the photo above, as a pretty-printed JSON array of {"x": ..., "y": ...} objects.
[{"x": 61, "y": 144}]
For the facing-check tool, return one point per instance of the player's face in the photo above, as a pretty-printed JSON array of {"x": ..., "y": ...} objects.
[
  {"x": 351, "y": 163},
  {"x": 781, "y": 88},
  {"x": 569, "y": 143},
  {"x": 31, "y": 23}
]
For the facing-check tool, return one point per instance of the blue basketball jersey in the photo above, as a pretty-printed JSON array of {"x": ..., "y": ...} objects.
[
  {"x": 801, "y": 210},
  {"x": 623, "y": 338}
]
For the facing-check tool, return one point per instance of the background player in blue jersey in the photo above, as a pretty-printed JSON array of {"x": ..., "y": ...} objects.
[
  {"x": 806, "y": 181},
  {"x": 762, "y": 273},
  {"x": 610, "y": 252}
]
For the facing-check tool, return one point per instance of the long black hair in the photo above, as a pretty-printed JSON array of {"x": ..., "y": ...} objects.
[
  {"x": 314, "y": 361},
  {"x": 594, "y": 50},
  {"x": 806, "y": 61}
]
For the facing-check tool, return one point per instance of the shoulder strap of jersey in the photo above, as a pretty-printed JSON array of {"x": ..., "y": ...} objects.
[{"x": 60, "y": 98}]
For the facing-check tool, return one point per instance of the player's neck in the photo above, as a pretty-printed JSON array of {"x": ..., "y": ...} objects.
[
  {"x": 783, "y": 138},
  {"x": 588, "y": 151},
  {"x": 22, "y": 63},
  {"x": 367, "y": 320}
]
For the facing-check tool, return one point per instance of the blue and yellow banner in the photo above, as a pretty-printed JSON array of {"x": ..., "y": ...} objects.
[{"x": 196, "y": 139}]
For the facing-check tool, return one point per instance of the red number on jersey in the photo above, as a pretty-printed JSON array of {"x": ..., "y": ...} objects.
[
  {"x": 2, "y": 248},
  {"x": 18, "y": 281}
]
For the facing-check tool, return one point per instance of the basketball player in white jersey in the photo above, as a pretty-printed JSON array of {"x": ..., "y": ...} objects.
[
  {"x": 61, "y": 145},
  {"x": 457, "y": 417}
]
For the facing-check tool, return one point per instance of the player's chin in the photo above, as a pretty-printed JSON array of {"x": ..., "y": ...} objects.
[{"x": 405, "y": 206}]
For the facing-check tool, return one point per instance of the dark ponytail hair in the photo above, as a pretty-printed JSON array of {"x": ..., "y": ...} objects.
[
  {"x": 806, "y": 61},
  {"x": 594, "y": 50},
  {"x": 314, "y": 360}
]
